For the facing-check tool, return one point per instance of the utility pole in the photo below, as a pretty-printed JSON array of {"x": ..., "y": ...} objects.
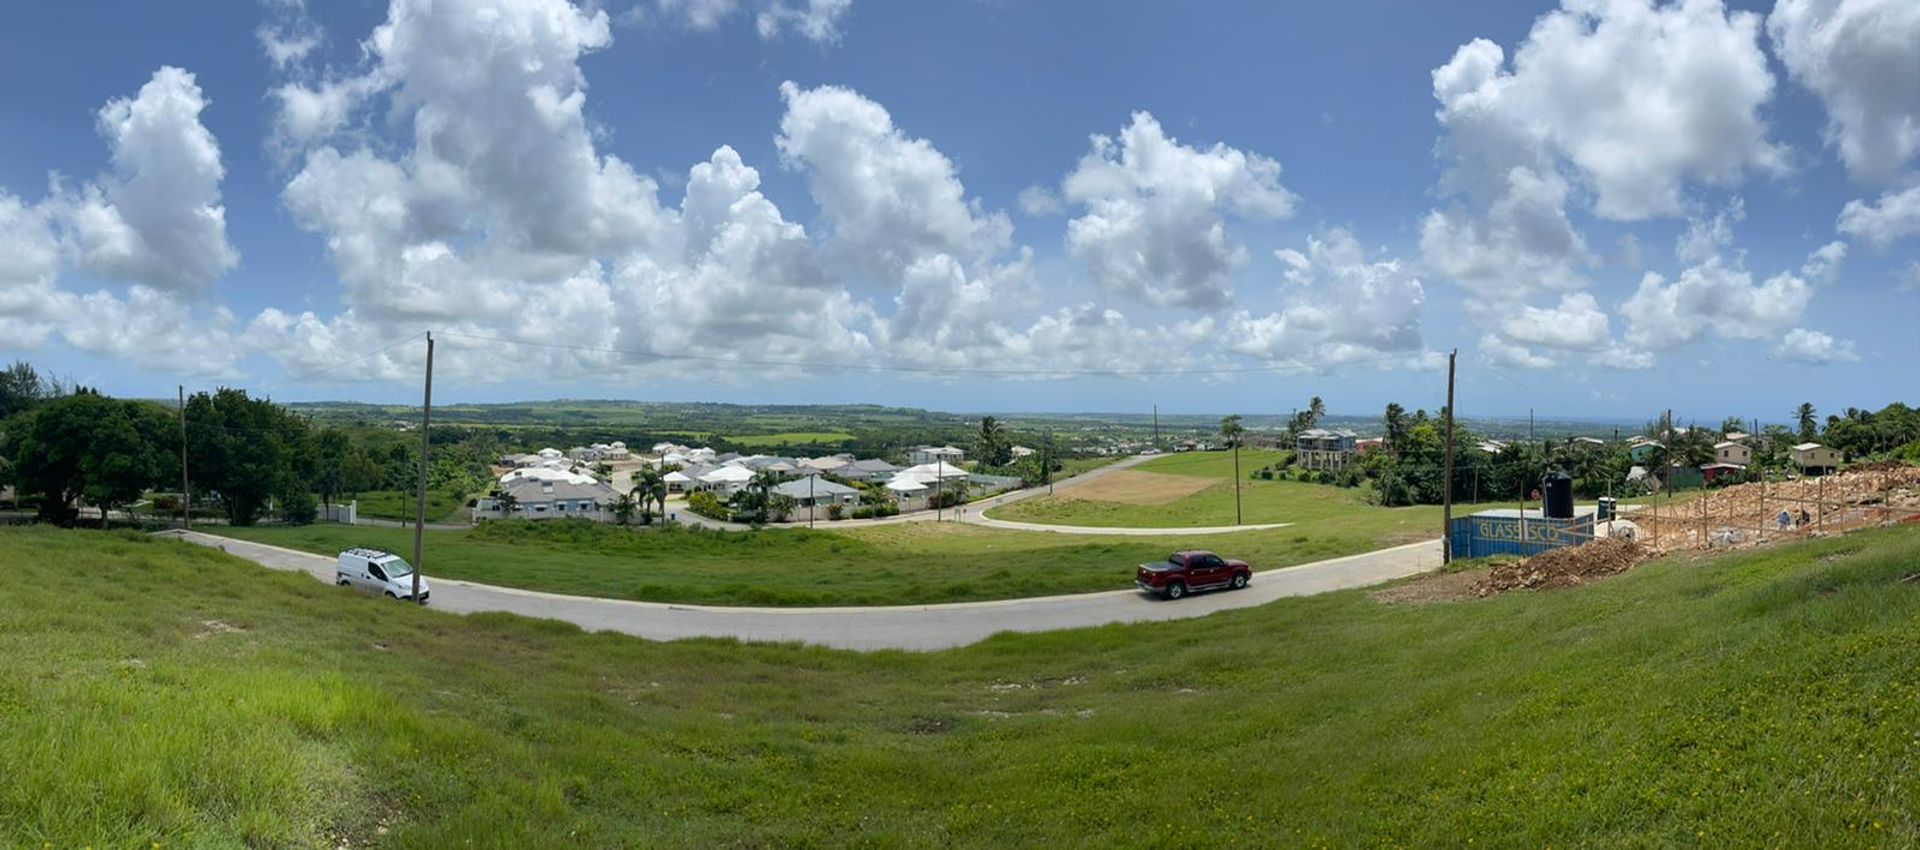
[
  {"x": 426, "y": 445},
  {"x": 1446, "y": 487},
  {"x": 1156, "y": 426},
  {"x": 186, "y": 491},
  {"x": 1666, "y": 455},
  {"x": 1047, "y": 469},
  {"x": 813, "y": 505}
]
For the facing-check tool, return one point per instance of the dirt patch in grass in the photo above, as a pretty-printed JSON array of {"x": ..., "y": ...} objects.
[
  {"x": 1129, "y": 487},
  {"x": 1438, "y": 587}
]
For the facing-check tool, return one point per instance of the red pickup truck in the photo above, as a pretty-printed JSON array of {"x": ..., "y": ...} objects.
[{"x": 1183, "y": 572}]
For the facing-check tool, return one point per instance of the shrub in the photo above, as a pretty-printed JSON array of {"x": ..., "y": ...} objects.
[
  {"x": 707, "y": 505},
  {"x": 299, "y": 509},
  {"x": 863, "y": 513},
  {"x": 836, "y": 512}
]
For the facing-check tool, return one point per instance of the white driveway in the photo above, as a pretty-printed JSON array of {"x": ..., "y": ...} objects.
[{"x": 909, "y": 627}]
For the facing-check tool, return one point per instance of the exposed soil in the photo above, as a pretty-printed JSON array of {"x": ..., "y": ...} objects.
[
  {"x": 1129, "y": 487},
  {"x": 1569, "y": 567},
  {"x": 1429, "y": 589}
]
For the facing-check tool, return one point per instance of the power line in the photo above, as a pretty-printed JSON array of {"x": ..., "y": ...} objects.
[
  {"x": 932, "y": 370},
  {"x": 295, "y": 379}
]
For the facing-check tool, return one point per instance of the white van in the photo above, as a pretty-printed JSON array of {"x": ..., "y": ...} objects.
[{"x": 378, "y": 572}]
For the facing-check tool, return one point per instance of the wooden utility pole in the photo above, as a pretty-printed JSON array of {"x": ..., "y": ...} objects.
[
  {"x": 1156, "y": 426},
  {"x": 813, "y": 504},
  {"x": 426, "y": 445},
  {"x": 1236, "y": 480},
  {"x": 186, "y": 491},
  {"x": 1046, "y": 469},
  {"x": 1446, "y": 487}
]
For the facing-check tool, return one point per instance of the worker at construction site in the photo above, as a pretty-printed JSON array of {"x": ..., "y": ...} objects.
[
  {"x": 1804, "y": 519},
  {"x": 1785, "y": 520}
]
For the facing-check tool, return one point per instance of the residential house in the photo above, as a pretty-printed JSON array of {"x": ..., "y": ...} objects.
[
  {"x": 726, "y": 480},
  {"x": 1816, "y": 459},
  {"x": 830, "y": 465},
  {"x": 869, "y": 469},
  {"x": 1733, "y": 452},
  {"x": 1021, "y": 452},
  {"x": 1370, "y": 444},
  {"x": 1319, "y": 448},
  {"x": 678, "y": 481},
  {"x": 543, "y": 499},
  {"x": 1588, "y": 442},
  {"x": 544, "y": 473},
  {"x": 812, "y": 495},
  {"x": 921, "y": 455},
  {"x": 928, "y": 473},
  {"x": 1642, "y": 449}
]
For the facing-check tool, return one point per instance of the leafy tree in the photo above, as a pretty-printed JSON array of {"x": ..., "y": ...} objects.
[
  {"x": 21, "y": 388},
  {"x": 92, "y": 449},
  {"x": 757, "y": 500},
  {"x": 1733, "y": 425},
  {"x": 247, "y": 451},
  {"x": 330, "y": 451},
  {"x": 506, "y": 503},
  {"x": 359, "y": 473},
  {"x": 1805, "y": 417}
]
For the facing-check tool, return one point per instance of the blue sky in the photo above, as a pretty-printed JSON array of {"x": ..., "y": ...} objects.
[{"x": 926, "y": 195}]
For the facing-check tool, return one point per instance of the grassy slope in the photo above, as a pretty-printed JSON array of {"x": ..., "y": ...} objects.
[
  {"x": 1769, "y": 698},
  {"x": 393, "y": 504},
  {"x": 908, "y": 563}
]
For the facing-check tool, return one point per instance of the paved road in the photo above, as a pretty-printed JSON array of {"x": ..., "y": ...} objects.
[{"x": 909, "y": 627}]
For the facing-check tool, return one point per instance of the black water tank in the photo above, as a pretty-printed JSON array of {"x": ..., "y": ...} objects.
[{"x": 1557, "y": 488}]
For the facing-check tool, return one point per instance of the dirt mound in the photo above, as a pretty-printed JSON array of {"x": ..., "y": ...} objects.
[{"x": 1567, "y": 567}]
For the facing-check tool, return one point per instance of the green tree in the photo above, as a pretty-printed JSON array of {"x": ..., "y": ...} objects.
[
  {"x": 1807, "y": 418},
  {"x": 506, "y": 503},
  {"x": 991, "y": 447},
  {"x": 623, "y": 507},
  {"x": 330, "y": 451},
  {"x": 248, "y": 451},
  {"x": 1395, "y": 422},
  {"x": 650, "y": 487},
  {"x": 1231, "y": 430},
  {"x": 1733, "y": 425},
  {"x": 86, "y": 448},
  {"x": 359, "y": 473},
  {"x": 21, "y": 388}
]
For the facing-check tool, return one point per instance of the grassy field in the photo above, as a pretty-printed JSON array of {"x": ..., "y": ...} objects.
[
  {"x": 394, "y": 504},
  {"x": 903, "y": 564},
  {"x": 793, "y": 438},
  {"x": 1320, "y": 507},
  {"x": 157, "y": 693}
]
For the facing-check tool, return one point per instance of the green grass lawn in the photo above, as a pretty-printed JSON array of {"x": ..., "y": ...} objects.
[
  {"x": 792, "y": 438},
  {"x": 1076, "y": 465},
  {"x": 1321, "y": 507},
  {"x": 394, "y": 504},
  {"x": 160, "y": 693},
  {"x": 907, "y": 563}
]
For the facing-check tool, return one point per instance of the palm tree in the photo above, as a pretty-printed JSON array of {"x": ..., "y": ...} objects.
[
  {"x": 650, "y": 487},
  {"x": 623, "y": 507},
  {"x": 1396, "y": 424},
  {"x": 1805, "y": 415},
  {"x": 991, "y": 445},
  {"x": 1231, "y": 429}
]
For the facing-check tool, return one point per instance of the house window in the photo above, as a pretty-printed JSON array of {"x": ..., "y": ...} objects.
[
  {"x": 586, "y": 506},
  {"x": 559, "y": 506}
]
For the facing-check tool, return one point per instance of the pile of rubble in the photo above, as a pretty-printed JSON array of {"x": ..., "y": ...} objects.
[{"x": 1568, "y": 567}]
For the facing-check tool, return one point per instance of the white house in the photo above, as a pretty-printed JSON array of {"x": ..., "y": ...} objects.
[
  {"x": 551, "y": 453},
  {"x": 726, "y": 480},
  {"x": 1732, "y": 451},
  {"x": 1816, "y": 459},
  {"x": 1022, "y": 451},
  {"x": 928, "y": 473},
  {"x": 920, "y": 455},
  {"x": 678, "y": 481}
]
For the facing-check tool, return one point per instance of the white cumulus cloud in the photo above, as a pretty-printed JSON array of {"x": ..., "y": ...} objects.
[
  {"x": 1862, "y": 58},
  {"x": 1154, "y": 214},
  {"x": 1895, "y": 216},
  {"x": 1806, "y": 346}
]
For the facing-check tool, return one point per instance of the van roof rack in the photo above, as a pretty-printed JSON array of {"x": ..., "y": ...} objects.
[{"x": 368, "y": 553}]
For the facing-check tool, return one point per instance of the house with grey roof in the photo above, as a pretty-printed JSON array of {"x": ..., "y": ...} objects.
[
  {"x": 869, "y": 469},
  {"x": 550, "y": 499},
  {"x": 813, "y": 495}
]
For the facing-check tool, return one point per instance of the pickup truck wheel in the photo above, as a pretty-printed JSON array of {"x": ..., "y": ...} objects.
[
  {"x": 1176, "y": 590},
  {"x": 1239, "y": 582}
]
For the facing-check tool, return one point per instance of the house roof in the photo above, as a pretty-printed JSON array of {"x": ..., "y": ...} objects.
[
  {"x": 543, "y": 473},
  {"x": 904, "y": 483},
  {"x": 1725, "y": 443},
  {"x": 1807, "y": 447},
  {"x": 727, "y": 474},
  {"x": 1723, "y": 466},
  {"x": 678, "y": 477},
  {"x": 529, "y": 490},
  {"x": 799, "y": 488},
  {"x": 873, "y": 464},
  {"x": 934, "y": 471}
]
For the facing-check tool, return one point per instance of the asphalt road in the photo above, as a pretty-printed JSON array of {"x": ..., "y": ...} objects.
[{"x": 908, "y": 627}]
